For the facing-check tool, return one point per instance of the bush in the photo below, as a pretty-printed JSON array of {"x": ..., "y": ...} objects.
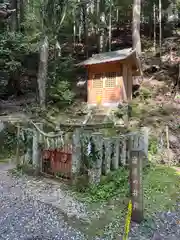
[
  {"x": 112, "y": 185},
  {"x": 61, "y": 74},
  {"x": 60, "y": 93},
  {"x": 153, "y": 145},
  {"x": 12, "y": 49},
  {"x": 145, "y": 93}
]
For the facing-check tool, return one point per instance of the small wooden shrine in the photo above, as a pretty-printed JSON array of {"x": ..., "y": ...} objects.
[{"x": 110, "y": 76}]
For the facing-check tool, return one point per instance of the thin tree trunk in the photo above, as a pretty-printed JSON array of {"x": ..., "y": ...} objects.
[
  {"x": 110, "y": 25},
  {"x": 154, "y": 14},
  {"x": 14, "y": 17},
  {"x": 136, "y": 26},
  {"x": 160, "y": 29},
  {"x": 117, "y": 15},
  {"x": 85, "y": 28},
  {"x": 80, "y": 24},
  {"x": 74, "y": 28},
  {"x": 97, "y": 6},
  {"x": 22, "y": 14},
  {"x": 42, "y": 74},
  {"x": 102, "y": 24}
]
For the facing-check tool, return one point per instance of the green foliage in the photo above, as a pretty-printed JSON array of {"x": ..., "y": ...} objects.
[
  {"x": 136, "y": 110},
  {"x": 26, "y": 140},
  {"x": 90, "y": 152},
  {"x": 60, "y": 77},
  {"x": 8, "y": 141},
  {"x": 13, "y": 46},
  {"x": 145, "y": 93},
  {"x": 53, "y": 13},
  {"x": 161, "y": 188},
  {"x": 115, "y": 184},
  {"x": 23, "y": 169},
  {"x": 60, "y": 93},
  {"x": 153, "y": 145}
]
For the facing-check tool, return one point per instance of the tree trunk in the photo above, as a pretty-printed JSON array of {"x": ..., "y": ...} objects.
[
  {"x": 85, "y": 28},
  {"x": 22, "y": 14},
  {"x": 13, "y": 86},
  {"x": 42, "y": 74},
  {"x": 160, "y": 29},
  {"x": 154, "y": 13},
  {"x": 136, "y": 26},
  {"x": 117, "y": 16},
  {"x": 14, "y": 18},
  {"x": 102, "y": 24},
  {"x": 80, "y": 25},
  {"x": 110, "y": 25},
  {"x": 74, "y": 28}
]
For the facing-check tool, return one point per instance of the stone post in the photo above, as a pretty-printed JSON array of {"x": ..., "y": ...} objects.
[
  {"x": 107, "y": 160},
  {"x": 76, "y": 152},
  {"x": 138, "y": 149},
  {"x": 36, "y": 151},
  {"x": 98, "y": 142},
  {"x": 115, "y": 159}
]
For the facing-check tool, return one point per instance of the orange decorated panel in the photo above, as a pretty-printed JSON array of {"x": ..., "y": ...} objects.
[
  {"x": 105, "y": 82},
  {"x": 58, "y": 161}
]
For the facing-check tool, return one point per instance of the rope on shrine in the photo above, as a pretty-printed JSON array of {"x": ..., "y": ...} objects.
[{"x": 46, "y": 134}]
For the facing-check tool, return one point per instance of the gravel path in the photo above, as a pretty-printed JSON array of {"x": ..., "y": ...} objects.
[
  {"x": 26, "y": 215},
  {"x": 21, "y": 217},
  {"x": 164, "y": 226}
]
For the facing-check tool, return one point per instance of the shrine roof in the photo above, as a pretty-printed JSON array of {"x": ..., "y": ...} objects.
[{"x": 109, "y": 57}]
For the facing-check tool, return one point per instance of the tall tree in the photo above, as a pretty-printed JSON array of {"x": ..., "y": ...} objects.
[
  {"x": 110, "y": 24},
  {"x": 85, "y": 27},
  {"x": 160, "y": 28},
  {"x": 102, "y": 25},
  {"x": 53, "y": 15},
  {"x": 14, "y": 18},
  {"x": 22, "y": 14},
  {"x": 136, "y": 26}
]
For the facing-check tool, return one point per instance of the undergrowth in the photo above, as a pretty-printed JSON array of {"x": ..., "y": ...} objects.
[
  {"x": 116, "y": 183},
  {"x": 161, "y": 187},
  {"x": 8, "y": 141}
]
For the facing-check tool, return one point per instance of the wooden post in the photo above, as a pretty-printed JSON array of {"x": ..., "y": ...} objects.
[
  {"x": 125, "y": 87},
  {"x": 17, "y": 147},
  {"x": 136, "y": 188},
  {"x": 129, "y": 83}
]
